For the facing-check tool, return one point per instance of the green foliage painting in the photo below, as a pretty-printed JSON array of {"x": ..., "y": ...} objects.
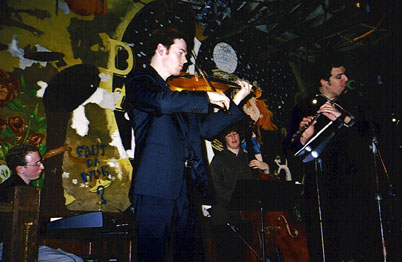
[{"x": 22, "y": 120}]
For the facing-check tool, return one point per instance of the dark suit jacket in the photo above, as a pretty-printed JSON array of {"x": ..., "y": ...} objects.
[{"x": 168, "y": 129}]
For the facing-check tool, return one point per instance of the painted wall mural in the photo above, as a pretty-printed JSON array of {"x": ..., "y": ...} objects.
[
  {"x": 56, "y": 93},
  {"x": 21, "y": 119},
  {"x": 62, "y": 74}
]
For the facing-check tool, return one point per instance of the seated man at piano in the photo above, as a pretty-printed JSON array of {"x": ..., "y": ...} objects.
[
  {"x": 227, "y": 167},
  {"x": 339, "y": 176},
  {"x": 25, "y": 163}
]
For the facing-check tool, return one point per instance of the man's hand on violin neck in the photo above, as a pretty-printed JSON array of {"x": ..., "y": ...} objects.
[
  {"x": 243, "y": 92},
  {"x": 219, "y": 99}
]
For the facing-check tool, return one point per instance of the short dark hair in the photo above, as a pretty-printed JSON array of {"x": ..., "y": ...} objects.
[
  {"x": 165, "y": 37},
  {"x": 325, "y": 62},
  {"x": 236, "y": 127},
  {"x": 16, "y": 155}
]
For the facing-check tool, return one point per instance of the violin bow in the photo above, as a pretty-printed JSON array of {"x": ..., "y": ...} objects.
[{"x": 203, "y": 74}]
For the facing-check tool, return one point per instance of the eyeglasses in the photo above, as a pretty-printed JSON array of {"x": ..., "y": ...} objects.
[{"x": 37, "y": 163}]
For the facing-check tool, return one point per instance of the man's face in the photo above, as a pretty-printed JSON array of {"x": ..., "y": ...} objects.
[
  {"x": 336, "y": 83},
  {"x": 232, "y": 140},
  {"x": 175, "y": 57},
  {"x": 33, "y": 168}
]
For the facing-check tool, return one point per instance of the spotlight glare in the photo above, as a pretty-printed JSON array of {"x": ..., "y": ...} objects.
[{"x": 314, "y": 154}]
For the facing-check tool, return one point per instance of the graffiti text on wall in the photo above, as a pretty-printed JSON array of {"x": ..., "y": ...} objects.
[{"x": 91, "y": 153}]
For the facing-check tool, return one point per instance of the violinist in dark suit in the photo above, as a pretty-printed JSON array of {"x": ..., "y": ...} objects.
[{"x": 169, "y": 127}]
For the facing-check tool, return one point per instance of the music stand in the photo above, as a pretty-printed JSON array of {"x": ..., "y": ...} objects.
[
  {"x": 316, "y": 144},
  {"x": 264, "y": 195},
  {"x": 311, "y": 151}
]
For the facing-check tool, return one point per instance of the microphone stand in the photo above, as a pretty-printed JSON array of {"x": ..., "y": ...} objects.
[
  {"x": 374, "y": 148},
  {"x": 318, "y": 169}
]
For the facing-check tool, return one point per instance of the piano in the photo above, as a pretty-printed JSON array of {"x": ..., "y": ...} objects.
[
  {"x": 86, "y": 220},
  {"x": 100, "y": 236}
]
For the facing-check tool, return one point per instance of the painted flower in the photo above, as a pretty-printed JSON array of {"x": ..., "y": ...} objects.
[
  {"x": 17, "y": 124},
  {"x": 9, "y": 88},
  {"x": 35, "y": 139},
  {"x": 3, "y": 123}
]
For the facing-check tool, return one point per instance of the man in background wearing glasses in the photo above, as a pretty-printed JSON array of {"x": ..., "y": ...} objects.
[
  {"x": 26, "y": 166},
  {"x": 25, "y": 163}
]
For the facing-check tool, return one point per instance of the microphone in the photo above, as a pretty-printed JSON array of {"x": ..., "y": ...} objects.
[{"x": 353, "y": 84}]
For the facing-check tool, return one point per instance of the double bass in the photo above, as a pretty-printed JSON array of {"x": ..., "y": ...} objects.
[{"x": 284, "y": 240}]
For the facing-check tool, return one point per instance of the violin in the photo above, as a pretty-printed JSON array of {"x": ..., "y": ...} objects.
[
  {"x": 203, "y": 83},
  {"x": 195, "y": 82},
  {"x": 189, "y": 82}
]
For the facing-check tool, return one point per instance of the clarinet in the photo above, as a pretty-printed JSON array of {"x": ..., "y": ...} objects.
[
  {"x": 304, "y": 128},
  {"x": 317, "y": 115}
]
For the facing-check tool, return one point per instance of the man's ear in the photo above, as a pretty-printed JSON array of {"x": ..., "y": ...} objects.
[
  {"x": 160, "y": 49},
  {"x": 324, "y": 83},
  {"x": 19, "y": 169}
]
